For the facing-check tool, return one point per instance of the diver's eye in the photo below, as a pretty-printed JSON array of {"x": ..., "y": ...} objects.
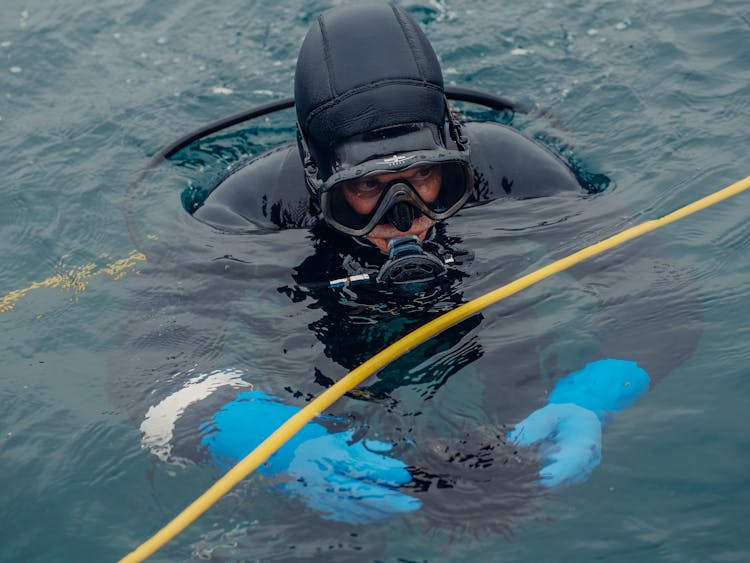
[
  {"x": 369, "y": 184},
  {"x": 425, "y": 171},
  {"x": 364, "y": 187}
]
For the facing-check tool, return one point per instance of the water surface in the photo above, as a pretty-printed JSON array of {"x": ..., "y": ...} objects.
[{"x": 656, "y": 96}]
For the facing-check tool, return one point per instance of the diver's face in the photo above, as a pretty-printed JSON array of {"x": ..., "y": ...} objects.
[{"x": 363, "y": 195}]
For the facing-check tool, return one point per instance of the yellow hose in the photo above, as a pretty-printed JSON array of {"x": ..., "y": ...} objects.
[{"x": 397, "y": 349}]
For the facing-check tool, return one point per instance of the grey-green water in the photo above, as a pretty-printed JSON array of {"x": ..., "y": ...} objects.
[{"x": 656, "y": 95}]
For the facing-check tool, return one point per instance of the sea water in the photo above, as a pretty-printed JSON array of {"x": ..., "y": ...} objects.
[{"x": 654, "y": 95}]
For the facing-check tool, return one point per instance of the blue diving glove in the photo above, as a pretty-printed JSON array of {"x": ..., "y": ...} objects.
[
  {"x": 345, "y": 481},
  {"x": 569, "y": 427}
]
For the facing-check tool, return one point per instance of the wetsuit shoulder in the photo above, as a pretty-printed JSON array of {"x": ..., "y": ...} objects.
[
  {"x": 267, "y": 191},
  {"x": 508, "y": 164}
]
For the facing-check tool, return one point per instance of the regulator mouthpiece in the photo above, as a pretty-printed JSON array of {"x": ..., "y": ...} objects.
[{"x": 408, "y": 263}]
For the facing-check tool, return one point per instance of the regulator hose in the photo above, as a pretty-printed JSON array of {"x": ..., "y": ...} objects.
[{"x": 497, "y": 103}]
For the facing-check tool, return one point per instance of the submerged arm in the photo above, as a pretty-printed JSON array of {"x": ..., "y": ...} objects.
[{"x": 648, "y": 321}]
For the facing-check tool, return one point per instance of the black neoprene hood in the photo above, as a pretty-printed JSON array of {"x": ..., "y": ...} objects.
[{"x": 363, "y": 67}]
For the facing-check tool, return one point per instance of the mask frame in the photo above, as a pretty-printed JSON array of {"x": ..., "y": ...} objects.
[
  {"x": 457, "y": 174},
  {"x": 437, "y": 151}
]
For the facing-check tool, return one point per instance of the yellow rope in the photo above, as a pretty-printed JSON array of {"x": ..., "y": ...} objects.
[
  {"x": 75, "y": 279},
  {"x": 395, "y": 350}
]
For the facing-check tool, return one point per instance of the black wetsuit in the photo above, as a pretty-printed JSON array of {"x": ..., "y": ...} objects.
[
  {"x": 175, "y": 333},
  {"x": 270, "y": 190}
]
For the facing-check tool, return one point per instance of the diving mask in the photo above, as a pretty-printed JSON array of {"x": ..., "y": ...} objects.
[
  {"x": 385, "y": 167},
  {"x": 435, "y": 188}
]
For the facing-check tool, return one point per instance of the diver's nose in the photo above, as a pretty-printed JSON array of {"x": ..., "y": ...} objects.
[{"x": 401, "y": 216}]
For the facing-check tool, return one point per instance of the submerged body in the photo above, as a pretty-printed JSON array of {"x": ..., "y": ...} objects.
[{"x": 451, "y": 464}]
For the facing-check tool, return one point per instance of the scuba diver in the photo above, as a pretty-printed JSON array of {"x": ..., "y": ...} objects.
[{"x": 381, "y": 164}]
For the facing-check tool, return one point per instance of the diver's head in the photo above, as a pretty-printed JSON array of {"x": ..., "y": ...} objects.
[{"x": 383, "y": 156}]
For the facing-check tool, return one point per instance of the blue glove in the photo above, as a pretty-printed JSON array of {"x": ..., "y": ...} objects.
[
  {"x": 569, "y": 427},
  {"x": 345, "y": 481}
]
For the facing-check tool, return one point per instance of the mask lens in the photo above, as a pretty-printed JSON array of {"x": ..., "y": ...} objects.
[
  {"x": 454, "y": 189},
  {"x": 353, "y": 204},
  {"x": 437, "y": 190}
]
